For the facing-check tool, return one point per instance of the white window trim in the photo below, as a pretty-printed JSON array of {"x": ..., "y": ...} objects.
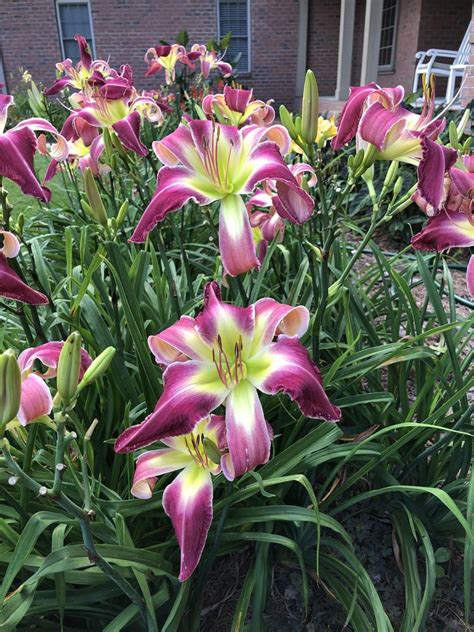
[
  {"x": 391, "y": 66},
  {"x": 248, "y": 70},
  {"x": 3, "y": 78},
  {"x": 60, "y": 29}
]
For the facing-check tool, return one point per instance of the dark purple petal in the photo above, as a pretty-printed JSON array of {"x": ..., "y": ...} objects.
[
  {"x": 128, "y": 130},
  {"x": 11, "y": 286}
]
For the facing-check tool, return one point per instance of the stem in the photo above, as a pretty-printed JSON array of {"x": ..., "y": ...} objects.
[{"x": 169, "y": 275}]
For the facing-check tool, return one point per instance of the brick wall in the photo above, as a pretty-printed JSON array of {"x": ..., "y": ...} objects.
[
  {"x": 323, "y": 42},
  {"x": 29, "y": 38}
]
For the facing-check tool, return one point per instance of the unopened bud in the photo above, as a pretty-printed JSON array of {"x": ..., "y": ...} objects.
[
  {"x": 398, "y": 186},
  {"x": 20, "y": 223},
  {"x": 310, "y": 108},
  {"x": 122, "y": 213},
  {"x": 10, "y": 388},
  {"x": 391, "y": 174},
  {"x": 453, "y": 135},
  {"x": 287, "y": 120},
  {"x": 96, "y": 206},
  {"x": 369, "y": 156},
  {"x": 98, "y": 367},
  {"x": 212, "y": 450},
  {"x": 69, "y": 366}
]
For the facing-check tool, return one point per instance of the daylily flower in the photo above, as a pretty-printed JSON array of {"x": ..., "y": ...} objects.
[
  {"x": 166, "y": 57},
  {"x": 210, "y": 60},
  {"x": 224, "y": 356},
  {"x": 208, "y": 162},
  {"x": 374, "y": 115},
  {"x": 270, "y": 224},
  {"x": 84, "y": 74},
  {"x": 236, "y": 107},
  {"x": 115, "y": 105},
  {"x": 188, "y": 499},
  {"x": 327, "y": 129},
  {"x": 17, "y": 150},
  {"x": 36, "y": 400},
  {"x": 85, "y": 146},
  {"x": 11, "y": 285}
]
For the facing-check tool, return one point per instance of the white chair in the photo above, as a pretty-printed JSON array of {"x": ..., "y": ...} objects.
[{"x": 429, "y": 64}]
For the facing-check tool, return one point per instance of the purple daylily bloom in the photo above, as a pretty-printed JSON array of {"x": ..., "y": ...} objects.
[
  {"x": 11, "y": 286},
  {"x": 36, "y": 400},
  {"x": 224, "y": 356},
  {"x": 166, "y": 57},
  {"x": 208, "y": 162},
  {"x": 187, "y": 500},
  {"x": 236, "y": 107},
  {"x": 210, "y": 60},
  {"x": 374, "y": 115},
  {"x": 17, "y": 149}
]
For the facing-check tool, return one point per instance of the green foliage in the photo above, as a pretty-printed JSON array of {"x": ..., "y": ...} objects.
[{"x": 399, "y": 366}]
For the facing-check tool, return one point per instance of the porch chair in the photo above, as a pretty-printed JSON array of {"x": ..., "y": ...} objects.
[{"x": 429, "y": 64}]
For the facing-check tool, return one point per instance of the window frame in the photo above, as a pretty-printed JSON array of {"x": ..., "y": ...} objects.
[
  {"x": 248, "y": 70},
  {"x": 389, "y": 68},
  {"x": 87, "y": 3}
]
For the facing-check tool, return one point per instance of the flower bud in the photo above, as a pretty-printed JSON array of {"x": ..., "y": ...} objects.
[
  {"x": 287, "y": 121},
  {"x": 453, "y": 135},
  {"x": 398, "y": 186},
  {"x": 310, "y": 108},
  {"x": 98, "y": 367},
  {"x": 391, "y": 174},
  {"x": 69, "y": 366},
  {"x": 96, "y": 206},
  {"x": 10, "y": 388},
  {"x": 122, "y": 213}
]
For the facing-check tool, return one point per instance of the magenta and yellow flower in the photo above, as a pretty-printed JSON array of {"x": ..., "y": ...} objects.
[
  {"x": 11, "y": 285},
  {"x": 225, "y": 356},
  {"x": 374, "y": 115},
  {"x": 210, "y": 61},
  {"x": 187, "y": 500},
  {"x": 166, "y": 58},
  {"x": 237, "y": 107},
  {"x": 208, "y": 162}
]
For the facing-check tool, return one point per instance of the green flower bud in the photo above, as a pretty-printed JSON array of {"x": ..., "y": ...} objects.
[
  {"x": 98, "y": 367},
  {"x": 391, "y": 174},
  {"x": 453, "y": 135},
  {"x": 310, "y": 108},
  {"x": 20, "y": 223},
  {"x": 463, "y": 123},
  {"x": 10, "y": 388},
  {"x": 398, "y": 186},
  {"x": 96, "y": 206},
  {"x": 69, "y": 366},
  {"x": 211, "y": 450},
  {"x": 287, "y": 121},
  {"x": 122, "y": 213}
]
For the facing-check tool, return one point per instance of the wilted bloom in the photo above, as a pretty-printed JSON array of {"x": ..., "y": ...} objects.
[
  {"x": 208, "y": 162},
  {"x": 36, "y": 400},
  {"x": 166, "y": 57},
  {"x": 236, "y": 107},
  {"x": 11, "y": 285},
  {"x": 269, "y": 223},
  {"x": 446, "y": 194},
  {"x": 374, "y": 115},
  {"x": 224, "y": 356},
  {"x": 188, "y": 499},
  {"x": 209, "y": 61},
  {"x": 17, "y": 150}
]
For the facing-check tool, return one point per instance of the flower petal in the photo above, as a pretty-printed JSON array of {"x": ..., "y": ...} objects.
[
  {"x": 377, "y": 122},
  {"x": 173, "y": 190},
  {"x": 431, "y": 171},
  {"x": 351, "y": 114},
  {"x": 237, "y": 99},
  {"x": 248, "y": 435},
  {"x": 292, "y": 202},
  {"x": 17, "y": 148},
  {"x": 470, "y": 276},
  {"x": 229, "y": 322},
  {"x": 11, "y": 245},
  {"x": 48, "y": 354},
  {"x": 191, "y": 391},
  {"x": 128, "y": 130},
  {"x": 273, "y": 318},
  {"x": 449, "y": 229},
  {"x": 35, "y": 400},
  {"x": 13, "y": 287},
  {"x": 236, "y": 242},
  {"x": 179, "y": 343},
  {"x": 152, "y": 464},
  {"x": 188, "y": 502},
  {"x": 6, "y": 100},
  {"x": 286, "y": 366}
]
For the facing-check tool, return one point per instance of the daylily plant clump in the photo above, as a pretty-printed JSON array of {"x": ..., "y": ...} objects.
[{"x": 188, "y": 190}]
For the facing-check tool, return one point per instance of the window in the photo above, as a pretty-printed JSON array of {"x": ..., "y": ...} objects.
[
  {"x": 233, "y": 15},
  {"x": 388, "y": 34},
  {"x": 74, "y": 18}
]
